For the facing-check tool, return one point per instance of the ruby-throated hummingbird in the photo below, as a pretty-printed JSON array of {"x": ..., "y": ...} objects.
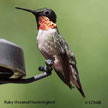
[{"x": 53, "y": 47}]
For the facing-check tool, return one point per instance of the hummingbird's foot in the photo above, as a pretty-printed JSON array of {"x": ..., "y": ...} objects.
[
  {"x": 49, "y": 62},
  {"x": 48, "y": 68}
]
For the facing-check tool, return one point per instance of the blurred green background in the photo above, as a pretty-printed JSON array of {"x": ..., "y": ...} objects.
[{"x": 84, "y": 25}]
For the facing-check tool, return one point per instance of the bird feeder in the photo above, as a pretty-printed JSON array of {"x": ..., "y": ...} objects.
[{"x": 12, "y": 67}]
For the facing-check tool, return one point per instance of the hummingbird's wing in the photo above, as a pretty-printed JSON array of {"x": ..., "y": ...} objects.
[{"x": 68, "y": 63}]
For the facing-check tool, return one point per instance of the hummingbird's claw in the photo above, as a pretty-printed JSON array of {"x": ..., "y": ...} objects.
[
  {"x": 48, "y": 68},
  {"x": 49, "y": 62}
]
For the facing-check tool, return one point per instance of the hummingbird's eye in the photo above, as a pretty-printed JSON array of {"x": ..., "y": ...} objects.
[{"x": 46, "y": 13}]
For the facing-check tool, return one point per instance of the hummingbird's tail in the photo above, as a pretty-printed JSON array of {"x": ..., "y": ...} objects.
[
  {"x": 80, "y": 89},
  {"x": 76, "y": 81}
]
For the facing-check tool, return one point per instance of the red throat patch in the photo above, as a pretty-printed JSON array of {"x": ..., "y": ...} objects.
[{"x": 44, "y": 23}]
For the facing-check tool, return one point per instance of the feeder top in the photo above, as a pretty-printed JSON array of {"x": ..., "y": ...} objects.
[{"x": 9, "y": 43}]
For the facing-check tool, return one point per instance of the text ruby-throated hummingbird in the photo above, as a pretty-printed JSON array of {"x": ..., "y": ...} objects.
[{"x": 53, "y": 47}]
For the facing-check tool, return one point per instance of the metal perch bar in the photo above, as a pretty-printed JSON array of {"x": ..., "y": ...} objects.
[
  {"x": 25, "y": 81},
  {"x": 47, "y": 71}
]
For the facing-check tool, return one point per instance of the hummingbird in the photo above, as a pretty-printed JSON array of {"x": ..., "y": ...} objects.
[{"x": 53, "y": 46}]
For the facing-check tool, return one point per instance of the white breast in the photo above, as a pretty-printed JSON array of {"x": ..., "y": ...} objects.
[
  {"x": 45, "y": 42},
  {"x": 44, "y": 34}
]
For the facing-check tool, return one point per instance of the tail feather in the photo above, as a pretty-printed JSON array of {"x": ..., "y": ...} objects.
[
  {"x": 80, "y": 88},
  {"x": 77, "y": 85},
  {"x": 76, "y": 81},
  {"x": 81, "y": 91}
]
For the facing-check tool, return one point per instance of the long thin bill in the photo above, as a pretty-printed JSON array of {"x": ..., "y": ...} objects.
[{"x": 28, "y": 10}]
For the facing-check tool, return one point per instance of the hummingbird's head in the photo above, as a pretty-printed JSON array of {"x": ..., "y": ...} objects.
[{"x": 46, "y": 18}]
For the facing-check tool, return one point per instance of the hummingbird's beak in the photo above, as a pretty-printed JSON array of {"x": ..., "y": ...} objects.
[{"x": 28, "y": 10}]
